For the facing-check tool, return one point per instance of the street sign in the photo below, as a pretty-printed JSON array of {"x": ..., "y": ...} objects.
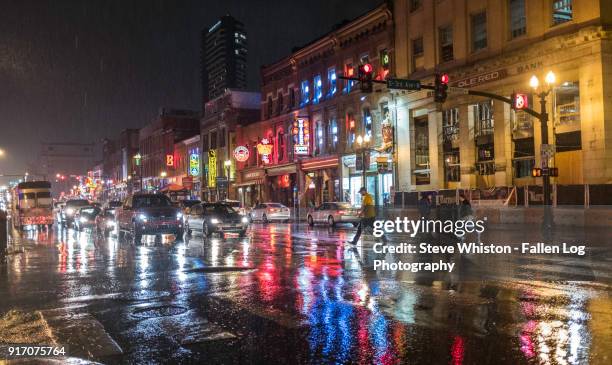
[
  {"x": 457, "y": 90},
  {"x": 403, "y": 84}
]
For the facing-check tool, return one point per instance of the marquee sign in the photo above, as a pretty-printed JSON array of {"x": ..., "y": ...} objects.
[
  {"x": 264, "y": 148},
  {"x": 241, "y": 153},
  {"x": 301, "y": 137},
  {"x": 194, "y": 164},
  {"x": 169, "y": 160}
]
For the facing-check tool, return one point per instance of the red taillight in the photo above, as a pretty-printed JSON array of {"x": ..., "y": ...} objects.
[{"x": 341, "y": 212}]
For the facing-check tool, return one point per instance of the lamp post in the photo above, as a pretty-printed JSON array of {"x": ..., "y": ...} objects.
[
  {"x": 546, "y": 187},
  {"x": 228, "y": 165},
  {"x": 362, "y": 147},
  {"x": 138, "y": 162}
]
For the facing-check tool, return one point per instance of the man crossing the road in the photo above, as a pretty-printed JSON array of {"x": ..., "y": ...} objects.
[{"x": 368, "y": 215}]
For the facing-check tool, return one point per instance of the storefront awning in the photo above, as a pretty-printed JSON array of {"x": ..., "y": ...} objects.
[
  {"x": 249, "y": 183},
  {"x": 281, "y": 170},
  {"x": 320, "y": 163}
]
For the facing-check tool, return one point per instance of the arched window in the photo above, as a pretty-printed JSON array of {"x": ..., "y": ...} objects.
[
  {"x": 279, "y": 102},
  {"x": 269, "y": 107},
  {"x": 320, "y": 144},
  {"x": 332, "y": 134},
  {"x": 350, "y": 129},
  {"x": 367, "y": 122},
  {"x": 280, "y": 138}
]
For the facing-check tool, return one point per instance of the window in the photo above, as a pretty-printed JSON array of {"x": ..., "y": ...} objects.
[
  {"x": 415, "y": 4},
  {"x": 222, "y": 138},
  {"x": 318, "y": 89},
  {"x": 450, "y": 125},
  {"x": 367, "y": 122},
  {"x": 452, "y": 165},
  {"x": 349, "y": 71},
  {"x": 567, "y": 107},
  {"x": 483, "y": 115},
  {"x": 523, "y": 159},
  {"x": 518, "y": 22},
  {"x": 213, "y": 140},
  {"x": 279, "y": 102},
  {"x": 479, "y": 31},
  {"x": 561, "y": 11},
  {"x": 333, "y": 134},
  {"x": 205, "y": 143},
  {"x": 269, "y": 106},
  {"x": 280, "y": 137},
  {"x": 350, "y": 121},
  {"x": 319, "y": 138},
  {"x": 421, "y": 143},
  {"x": 305, "y": 93},
  {"x": 365, "y": 58},
  {"x": 418, "y": 60},
  {"x": 292, "y": 97},
  {"x": 331, "y": 81},
  {"x": 446, "y": 43}
]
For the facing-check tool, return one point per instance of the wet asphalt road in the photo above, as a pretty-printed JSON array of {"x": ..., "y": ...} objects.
[{"x": 292, "y": 294}]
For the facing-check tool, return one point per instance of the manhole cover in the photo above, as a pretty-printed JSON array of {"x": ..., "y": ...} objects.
[{"x": 159, "y": 311}]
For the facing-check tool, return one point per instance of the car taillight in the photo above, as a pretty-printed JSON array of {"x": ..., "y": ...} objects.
[{"x": 341, "y": 212}]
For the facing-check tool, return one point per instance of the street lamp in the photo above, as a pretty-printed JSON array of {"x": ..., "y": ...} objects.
[
  {"x": 138, "y": 162},
  {"x": 362, "y": 146},
  {"x": 163, "y": 174},
  {"x": 550, "y": 80},
  {"x": 1, "y": 152}
]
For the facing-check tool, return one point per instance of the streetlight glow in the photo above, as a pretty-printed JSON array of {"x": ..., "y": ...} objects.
[
  {"x": 550, "y": 78},
  {"x": 366, "y": 139},
  {"x": 534, "y": 82},
  {"x": 227, "y": 163},
  {"x": 163, "y": 174},
  {"x": 359, "y": 139},
  {"x": 1, "y": 152}
]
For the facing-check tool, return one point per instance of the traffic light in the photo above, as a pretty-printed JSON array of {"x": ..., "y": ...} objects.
[
  {"x": 554, "y": 171},
  {"x": 520, "y": 101},
  {"x": 536, "y": 172},
  {"x": 365, "y": 77},
  {"x": 441, "y": 86}
]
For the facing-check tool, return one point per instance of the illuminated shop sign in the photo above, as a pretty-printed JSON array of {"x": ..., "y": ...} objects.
[
  {"x": 241, "y": 153},
  {"x": 169, "y": 160},
  {"x": 264, "y": 148},
  {"x": 301, "y": 137},
  {"x": 194, "y": 164},
  {"x": 212, "y": 168}
]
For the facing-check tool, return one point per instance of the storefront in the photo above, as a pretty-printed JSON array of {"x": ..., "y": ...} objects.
[
  {"x": 379, "y": 177},
  {"x": 250, "y": 187},
  {"x": 281, "y": 184},
  {"x": 321, "y": 180}
]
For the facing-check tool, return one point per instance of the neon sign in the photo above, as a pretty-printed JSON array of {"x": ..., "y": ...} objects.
[
  {"x": 264, "y": 148},
  {"x": 212, "y": 168},
  {"x": 241, "y": 153},
  {"x": 301, "y": 137},
  {"x": 169, "y": 160},
  {"x": 194, "y": 164}
]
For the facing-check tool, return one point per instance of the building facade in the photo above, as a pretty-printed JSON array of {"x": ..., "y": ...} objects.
[
  {"x": 224, "y": 57},
  {"x": 497, "y": 46},
  {"x": 305, "y": 149},
  {"x": 70, "y": 160},
  {"x": 156, "y": 145},
  {"x": 222, "y": 117},
  {"x": 118, "y": 165}
]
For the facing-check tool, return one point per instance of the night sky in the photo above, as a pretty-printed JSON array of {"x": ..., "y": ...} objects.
[{"x": 82, "y": 70}]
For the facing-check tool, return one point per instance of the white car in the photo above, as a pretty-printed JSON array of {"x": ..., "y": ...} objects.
[
  {"x": 267, "y": 212},
  {"x": 333, "y": 213}
]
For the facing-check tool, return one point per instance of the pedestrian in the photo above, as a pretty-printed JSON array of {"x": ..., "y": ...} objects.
[
  {"x": 465, "y": 208},
  {"x": 368, "y": 215},
  {"x": 425, "y": 206}
]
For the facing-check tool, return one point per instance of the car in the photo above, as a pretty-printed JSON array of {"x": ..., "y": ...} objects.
[
  {"x": 210, "y": 218},
  {"x": 268, "y": 212},
  {"x": 145, "y": 213},
  {"x": 106, "y": 222},
  {"x": 238, "y": 206},
  {"x": 70, "y": 209},
  {"x": 333, "y": 213},
  {"x": 57, "y": 210},
  {"x": 85, "y": 217}
]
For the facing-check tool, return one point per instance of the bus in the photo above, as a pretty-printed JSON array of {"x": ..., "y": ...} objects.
[{"x": 32, "y": 205}]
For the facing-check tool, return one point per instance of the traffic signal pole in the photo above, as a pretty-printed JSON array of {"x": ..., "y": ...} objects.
[{"x": 542, "y": 116}]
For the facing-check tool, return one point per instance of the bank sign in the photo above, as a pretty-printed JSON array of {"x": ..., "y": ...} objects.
[
  {"x": 301, "y": 137},
  {"x": 194, "y": 164},
  {"x": 212, "y": 168}
]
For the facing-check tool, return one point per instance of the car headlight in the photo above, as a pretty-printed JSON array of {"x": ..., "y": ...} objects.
[
  {"x": 69, "y": 211},
  {"x": 143, "y": 217},
  {"x": 110, "y": 223},
  {"x": 83, "y": 220},
  {"x": 245, "y": 220},
  {"x": 179, "y": 215},
  {"x": 214, "y": 221}
]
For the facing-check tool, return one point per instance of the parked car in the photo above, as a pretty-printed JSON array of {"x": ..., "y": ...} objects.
[
  {"x": 57, "y": 210},
  {"x": 268, "y": 212},
  {"x": 70, "y": 209},
  {"x": 106, "y": 222},
  {"x": 333, "y": 213},
  {"x": 210, "y": 218},
  {"x": 149, "y": 214},
  {"x": 85, "y": 217},
  {"x": 112, "y": 205}
]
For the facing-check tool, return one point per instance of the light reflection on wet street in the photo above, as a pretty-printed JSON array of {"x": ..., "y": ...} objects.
[{"x": 293, "y": 294}]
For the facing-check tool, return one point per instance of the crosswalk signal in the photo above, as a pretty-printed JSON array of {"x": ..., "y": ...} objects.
[
  {"x": 365, "y": 77},
  {"x": 536, "y": 172},
  {"x": 520, "y": 101},
  {"x": 554, "y": 171},
  {"x": 441, "y": 86}
]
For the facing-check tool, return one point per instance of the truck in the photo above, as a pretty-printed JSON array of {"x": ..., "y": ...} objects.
[{"x": 32, "y": 205}]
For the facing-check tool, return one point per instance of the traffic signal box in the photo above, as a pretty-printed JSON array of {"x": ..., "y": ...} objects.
[
  {"x": 441, "y": 87},
  {"x": 365, "y": 77},
  {"x": 548, "y": 171}
]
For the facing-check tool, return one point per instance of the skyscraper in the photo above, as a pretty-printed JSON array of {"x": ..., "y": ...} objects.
[{"x": 224, "y": 52}]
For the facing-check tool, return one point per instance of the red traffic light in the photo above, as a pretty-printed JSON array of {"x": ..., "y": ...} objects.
[
  {"x": 367, "y": 68},
  {"x": 520, "y": 101},
  {"x": 444, "y": 79}
]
